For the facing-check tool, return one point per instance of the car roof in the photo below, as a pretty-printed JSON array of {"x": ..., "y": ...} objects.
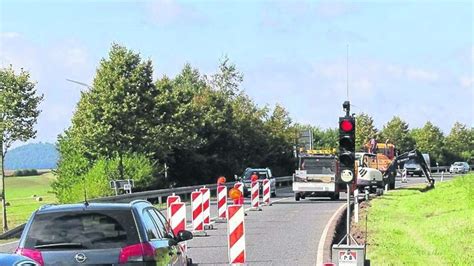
[
  {"x": 257, "y": 169},
  {"x": 90, "y": 206}
]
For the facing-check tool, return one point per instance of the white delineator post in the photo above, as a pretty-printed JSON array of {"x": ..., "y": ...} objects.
[
  {"x": 178, "y": 220},
  {"x": 266, "y": 192},
  {"x": 221, "y": 203},
  {"x": 170, "y": 200},
  {"x": 197, "y": 219},
  {"x": 236, "y": 234},
  {"x": 404, "y": 176},
  {"x": 442, "y": 176},
  {"x": 356, "y": 206},
  {"x": 206, "y": 210},
  {"x": 255, "y": 196}
]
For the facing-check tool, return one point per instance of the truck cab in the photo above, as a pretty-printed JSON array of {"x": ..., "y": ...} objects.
[{"x": 316, "y": 176}]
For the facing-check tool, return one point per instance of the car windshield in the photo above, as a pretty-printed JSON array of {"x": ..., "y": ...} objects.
[
  {"x": 411, "y": 162},
  {"x": 261, "y": 174},
  {"x": 318, "y": 165},
  {"x": 457, "y": 164},
  {"x": 82, "y": 229}
]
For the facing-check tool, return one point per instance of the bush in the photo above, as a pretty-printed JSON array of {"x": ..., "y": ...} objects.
[
  {"x": 25, "y": 172},
  {"x": 96, "y": 179}
]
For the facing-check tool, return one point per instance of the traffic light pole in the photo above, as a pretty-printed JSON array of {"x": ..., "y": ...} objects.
[{"x": 348, "y": 219}]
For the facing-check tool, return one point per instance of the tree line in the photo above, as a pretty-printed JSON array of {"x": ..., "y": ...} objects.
[
  {"x": 187, "y": 129},
  {"x": 182, "y": 130},
  {"x": 458, "y": 145}
]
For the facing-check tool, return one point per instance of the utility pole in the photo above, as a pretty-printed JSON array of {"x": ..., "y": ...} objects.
[{"x": 4, "y": 202}]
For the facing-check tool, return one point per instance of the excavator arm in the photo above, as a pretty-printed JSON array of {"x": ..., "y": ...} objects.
[{"x": 414, "y": 154}]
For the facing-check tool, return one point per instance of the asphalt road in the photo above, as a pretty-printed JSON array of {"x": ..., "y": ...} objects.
[{"x": 286, "y": 233}]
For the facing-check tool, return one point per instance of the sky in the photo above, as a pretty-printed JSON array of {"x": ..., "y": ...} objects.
[{"x": 413, "y": 59}]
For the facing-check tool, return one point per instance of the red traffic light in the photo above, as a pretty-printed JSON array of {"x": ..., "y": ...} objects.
[{"x": 346, "y": 125}]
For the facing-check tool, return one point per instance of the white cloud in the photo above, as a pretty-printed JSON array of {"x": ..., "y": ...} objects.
[
  {"x": 171, "y": 11},
  {"x": 9, "y": 35},
  {"x": 466, "y": 82},
  {"x": 329, "y": 9},
  {"x": 421, "y": 74}
]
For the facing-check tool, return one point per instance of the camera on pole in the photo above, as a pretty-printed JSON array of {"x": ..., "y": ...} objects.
[{"x": 347, "y": 145}]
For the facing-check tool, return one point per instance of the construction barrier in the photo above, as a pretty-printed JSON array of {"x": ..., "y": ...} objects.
[
  {"x": 404, "y": 176},
  {"x": 255, "y": 196},
  {"x": 240, "y": 187},
  {"x": 178, "y": 221},
  {"x": 236, "y": 234},
  {"x": 221, "y": 203},
  {"x": 206, "y": 210},
  {"x": 178, "y": 217},
  {"x": 266, "y": 192},
  {"x": 170, "y": 200},
  {"x": 197, "y": 218}
]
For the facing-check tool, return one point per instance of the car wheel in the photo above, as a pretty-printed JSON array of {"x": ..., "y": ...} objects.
[
  {"x": 189, "y": 262},
  {"x": 274, "y": 193},
  {"x": 297, "y": 196},
  {"x": 379, "y": 191}
]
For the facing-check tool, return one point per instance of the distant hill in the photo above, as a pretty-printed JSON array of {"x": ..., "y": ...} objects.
[{"x": 32, "y": 156}]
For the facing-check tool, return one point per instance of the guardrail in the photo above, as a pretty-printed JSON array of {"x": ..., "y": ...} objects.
[{"x": 158, "y": 195}]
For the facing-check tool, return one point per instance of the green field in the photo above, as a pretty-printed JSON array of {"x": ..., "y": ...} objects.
[
  {"x": 19, "y": 193},
  {"x": 410, "y": 227}
]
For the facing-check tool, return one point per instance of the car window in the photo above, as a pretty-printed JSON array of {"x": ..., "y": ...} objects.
[
  {"x": 152, "y": 230},
  {"x": 163, "y": 225},
  {"x": 91, "y": 229}
]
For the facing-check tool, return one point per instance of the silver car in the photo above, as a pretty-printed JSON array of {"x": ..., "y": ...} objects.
[{"x": 459, "y": 167}]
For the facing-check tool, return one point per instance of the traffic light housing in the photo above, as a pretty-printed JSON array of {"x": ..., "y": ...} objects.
[{"x": 347, "y": 148}]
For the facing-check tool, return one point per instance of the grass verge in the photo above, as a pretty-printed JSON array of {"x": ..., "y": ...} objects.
[
  {"x": 410, "y": 227},
  {"x": 19, "y": 191}
]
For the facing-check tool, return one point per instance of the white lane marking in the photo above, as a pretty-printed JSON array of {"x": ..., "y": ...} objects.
[
  {"x": 9, "y": 243},
  {"x": 320, "y": 257}
]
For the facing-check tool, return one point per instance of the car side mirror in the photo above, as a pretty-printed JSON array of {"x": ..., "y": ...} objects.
[{"x": 184, "y": 235}]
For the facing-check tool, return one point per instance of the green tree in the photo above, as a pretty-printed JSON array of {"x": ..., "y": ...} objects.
[
  {"x": 365, "y": 130},
  {"x": 116, "y": 116},
  {"x": 326, "y": 138},
  {"x": 19, "y": 111},
  {"x": 397, "y": 132},
  {"x": 228, "y": 78},
  {"x": 429, "y": 139},
  {"x": 460, "y": 141}
]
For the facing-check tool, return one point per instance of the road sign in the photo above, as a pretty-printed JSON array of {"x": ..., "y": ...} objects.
[
  {"x": 347, "y": 257},
  {"x": 127, "y": 187}
]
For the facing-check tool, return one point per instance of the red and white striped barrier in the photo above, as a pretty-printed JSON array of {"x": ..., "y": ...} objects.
[
  {"x": 236, "y": 234},
  {"x": 178, "y": 220},
  {"x": 239, "y": 186},
  {"x": 170, "y": 200},
  {"x": 255, "y": 197},
  {"x": 221, "y": 204},
  {"x": 197, "y": 219},
  {"x": 178, "y": 217},
  {"x": 206, "y": 210},
  {"x": 266, "y": 192}
]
